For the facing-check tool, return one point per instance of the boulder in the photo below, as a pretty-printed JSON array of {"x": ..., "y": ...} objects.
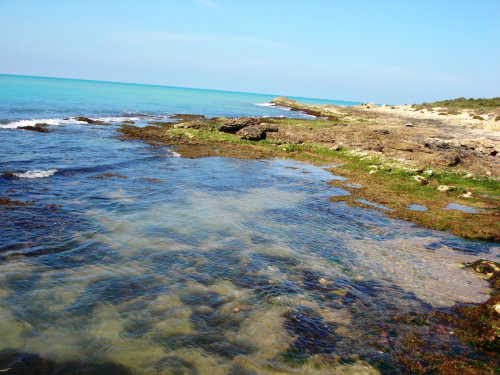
[
  {"x": 40, "y": 127},
  {"x": 90, "y": 121},
  {"x": 256, "y": 132},
  {"x": 235, "y": 124}
]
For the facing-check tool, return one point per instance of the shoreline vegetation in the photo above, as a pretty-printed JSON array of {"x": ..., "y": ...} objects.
[{"x": 405, "y": 161}]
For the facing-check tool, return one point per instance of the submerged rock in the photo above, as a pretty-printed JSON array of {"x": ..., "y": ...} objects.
[
  {"x": 175, "y": 366},
  {"x": 19, "y": 363},
  {"x": 211, "y": 343},
  {"x": 136, "y": 328},
  {"x": 313, "y": 335}
]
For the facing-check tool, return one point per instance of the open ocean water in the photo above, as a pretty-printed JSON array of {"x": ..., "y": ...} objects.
[{"x": 121, "y": 257}]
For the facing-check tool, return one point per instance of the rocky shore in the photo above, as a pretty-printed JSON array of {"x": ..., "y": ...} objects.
[
  {"x": 421, "y": 137},
  {"x": 434, "y": 173}
]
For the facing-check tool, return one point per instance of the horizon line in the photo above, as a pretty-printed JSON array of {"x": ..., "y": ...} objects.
[{"x": 177, "y": 87}]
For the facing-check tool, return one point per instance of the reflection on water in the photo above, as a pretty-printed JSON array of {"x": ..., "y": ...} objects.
[{"x": 219, "y": 266}]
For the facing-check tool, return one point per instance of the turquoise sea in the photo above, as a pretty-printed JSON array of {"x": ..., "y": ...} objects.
[{"x": 119, "y": 257}]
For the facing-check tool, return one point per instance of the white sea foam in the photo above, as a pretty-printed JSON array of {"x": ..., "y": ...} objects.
[
  {"x": 50, "y": 121},
  {"x": 64, "y": 121},
  {"x": 265, "y": 104},
  {"x": 36, "y": 173},
  {"x": 116, "y": 119}
]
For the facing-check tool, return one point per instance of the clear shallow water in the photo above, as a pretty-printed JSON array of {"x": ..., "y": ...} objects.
[{"x": 130, "y": 254}]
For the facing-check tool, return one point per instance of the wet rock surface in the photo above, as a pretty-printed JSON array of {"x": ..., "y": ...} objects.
[
  {"x": 40, "y": 128},
  {"x": 90, "y": 121},
  {"x": 19, "y": 363}
]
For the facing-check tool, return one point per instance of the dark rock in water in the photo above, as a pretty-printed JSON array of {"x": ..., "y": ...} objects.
[
  {"x": 313, "y": 335},
  {"x": 90, "y": 121},
  {"x": 263, "y": 259},
  {"x": 12, "y": 362},
  {"x": 237, "y": 369},
  {"x": 41, "y": 128},
  {"x": 211, "y": 343},
  {"x": 136, "y": 328},
  {"x": 235, "y": 124},
  {"x": 276, "y": 289},
  {"x": 175, "y": 366},
  {"x": 115, "y": 290},
  {"x": 18, "y": 363},
  {"x": 118, "y": 289},
  {"x": 128, "y": 122},
  {"x": 311, "y": 281},
  {"x": 81, "y": 368},
  {"x": 214, "y": 321},
  {"x": 22, "y": 283},
  {"x": 249, "y": 280},
  {"x": 202, "y": 299},
  {"x": 460, "y": 245}
]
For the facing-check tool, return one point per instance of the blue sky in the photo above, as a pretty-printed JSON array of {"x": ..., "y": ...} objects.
[{"x": 384, "y": 51}]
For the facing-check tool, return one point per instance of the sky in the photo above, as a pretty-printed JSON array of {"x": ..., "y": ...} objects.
[{"x": 385, "y": 51}]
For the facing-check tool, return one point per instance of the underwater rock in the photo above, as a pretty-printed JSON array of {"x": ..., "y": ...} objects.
[
  {"x": 136, "y": 328},
  {"x": 237, "y": 369},
  {"x": 202, "y": 298},
  {"x": 175, "y": 366},
  {"x": 18, "y": 363},
  {"x": 313, "y": 335},
  {"x": 211, "y": 343},
  {"x": 213, "y": 321},
  {"x": 90, "y": 121},
  {"x": 23, "y": 283}
]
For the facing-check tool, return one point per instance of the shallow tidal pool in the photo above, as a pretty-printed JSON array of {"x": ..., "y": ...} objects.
[{"x": 168, "y": 265}]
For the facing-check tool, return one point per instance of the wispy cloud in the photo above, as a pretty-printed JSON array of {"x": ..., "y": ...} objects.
[{"x": 208, "y": 3}]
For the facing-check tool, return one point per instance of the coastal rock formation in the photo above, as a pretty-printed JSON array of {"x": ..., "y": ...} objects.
[
  {"x": 420, "y": 137},
  {"x": 234, "y": 124},
  {"x": 256, "y": 132},
  {"x": 90, "y": 121},
  {"x": 326, "y": 110},
  {"x": 40, "y": 127}
]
